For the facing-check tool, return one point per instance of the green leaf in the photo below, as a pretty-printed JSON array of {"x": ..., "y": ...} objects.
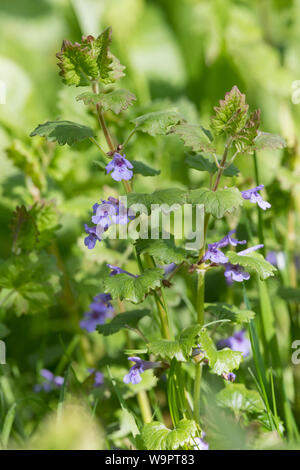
[
  {"x": 231, "y": 114},
  {"x": 34, "y": 281},
  {"x": 123, "y": 320},
  {"x": 221, "y": 362},
  {"x": 180, "y": 349},
  {"x": 266, "y": 140},
  {"x": 217, "y": 203},
  {"x": 116, "y": 101},
  {"x": 195, "y": 137},
  {"x": 253, "y": 262},
  {"x": 239, "y": 399},
  {"x": 24, "y": 230},
  {"x": 63, "y": 132},
  {"x": 104, "y": 60},
  {"x": 291, "y": 294},
  {"x": 200, "y": 163},
  {"x": 46, "y": 217},
  {"x": 157, "y": 123},
  {"x": 28, "y": 162},
  {"x": 157, "y": 436},
  {"x": 163, "y": 250},
  {"x": 162, "y": 196},
  {"x": 77, "y": 63},
  {"x": 34, "y": 228},
  {"x": 225, "y": 311},
  {"x": 81, "y": 63},
  {"x": 141, "y": 168},
  {"x": 134, "y": 289}
]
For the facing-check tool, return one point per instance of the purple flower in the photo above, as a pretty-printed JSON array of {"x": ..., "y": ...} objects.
[
  {"x": 50, "y": 383},
  {"x": 235, "y": 272},
  {"x": 116, "y": 270},
  {"x": 100, "y": 309},
  {"x": 99, "y": 377},
  {"x": 277, "y": 259},
  {"x": 230, "y": 377},
  {"x": 228, "y": 240},
  {"x": 120, "y": 167},
  {"x": 237, "y": 342},
  {"x": 252, "y": 196},
  {"x": 214, "y": 254},
  {"x": 199, "y": 443},
  {"x": 91, "y": 239},
  {"x": 168, "y": 268},
  {"x": 134, "y": 374},
  {"x": 104, "y": 215}
]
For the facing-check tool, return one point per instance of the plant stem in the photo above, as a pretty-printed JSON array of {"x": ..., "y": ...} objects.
[
  {"x": 102, "y": 122},
  {"x": 144, "y": 406},
  {"x": 222, "y": 164},
  {"x": 200, "y": 319}
]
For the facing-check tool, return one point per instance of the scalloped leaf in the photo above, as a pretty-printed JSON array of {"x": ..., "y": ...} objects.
[
  {"x": 200, "y": 163},
  {"x": 125, "y": 287},
  {"x": 157, "y": 123},
  {"x": 224, "y": 311},
  {"x": 217, "y": 203},
  {"x": 240, "y": 400},
  {"x": 221, "y": 362},
  {"x": 266, "y": 140},
  {"x": 162, "y": 196},
  {"x": 116, "y": 100},
  {"x": 195, "y": 137},
  {"x": 123, "y": 320},
  {"x": 163, "y": 250},
  {"x": 180, "y": 349},
  {"x": 63, "y": 132},
  {"x": 231, "y": 114},
  {"x": 253, "y": 262},
  {"x": 157, "y": 436}
]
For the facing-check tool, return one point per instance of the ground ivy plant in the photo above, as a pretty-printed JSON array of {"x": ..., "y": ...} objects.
[{"x": 126, "y": 298}]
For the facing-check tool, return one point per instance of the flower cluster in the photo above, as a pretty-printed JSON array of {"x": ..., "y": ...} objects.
[
  {"x": 233, "y": 272},
  {"x": 120, "y": 167},
  {"x": 134, "y": 374},
  {"x": 237, "y": 342},
  {"x": 100, "y": 309},
  {"x": 50, "y": 383},
  {"x": 104, "y": 215}
]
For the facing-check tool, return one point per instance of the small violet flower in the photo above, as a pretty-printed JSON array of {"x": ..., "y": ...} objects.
[
  {"x": 50, "y": 383},
  {"x": 100, "y": 309},
  {"x": 134, "y": 374},
  {"x": 120, "y": 167},
  {"x": 214, "y": 253},
  {"x": 91, "y": 239},
  {"x": 237, "y": 342},
  {"x": 99, "y": 377},
  {"x": 199, "y": 443},
  {"x": 104, "y": 215},
  {"x": 230, "y": 376},
  {"x": 116, "y": 270},
  {"x": 252, "y": 196},
  {"x": 235, "y": 272}
]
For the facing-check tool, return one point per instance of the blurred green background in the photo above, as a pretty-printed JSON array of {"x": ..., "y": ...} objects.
[{"x": 181, "y": 53}]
